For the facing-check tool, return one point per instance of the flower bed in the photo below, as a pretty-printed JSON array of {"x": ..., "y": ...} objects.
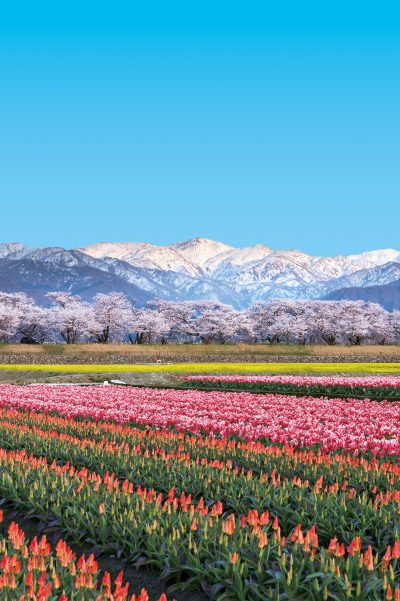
[
  {"x": 304, "y": 505},
  {"x": 334, "y": 424},
  {"x": 302, "y": 523},
  {"x": 376, "y": 387}
]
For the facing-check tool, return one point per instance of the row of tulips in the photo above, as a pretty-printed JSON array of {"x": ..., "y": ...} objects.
[
  {"x": 355, "y": 427},
  {"x": 316, "y": 488},
  {"x": 129, "y": 445},
  {"x": 246, "y": 557},
  {"x": 184, "y": 538},
  {"x": 33, "y": 570},
  {"x": 376, "y": 387},
  {"x": 349, "y": 381}
]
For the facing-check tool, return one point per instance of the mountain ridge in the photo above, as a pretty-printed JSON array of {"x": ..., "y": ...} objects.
[
  {"x": 193, "y": 269},
  {"x": 387, "y": 295}
]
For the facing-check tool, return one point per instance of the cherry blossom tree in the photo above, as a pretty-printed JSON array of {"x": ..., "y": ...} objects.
[
  {"x": 149, "y": 325},
  {"x": 9, "y": 321},
  {"x": 34, "y": 322},
  {"x": 112, "y": 317},
  {"x": 216, "y": 322},
  {"x": 181, "y": 317},
  {"x": 16, "y": 309},
  {"x": 70, "y": 317},
  {"x": 206, "y": 321},
  {"x": 394, "y": 320},
  {"x": 380, "y": 325},
  {"x": 353, "y": 321},
  {"x": 325, "y": 321},
  {"x": 267, "y": 319},
  {"x": 299, "y": 321}
]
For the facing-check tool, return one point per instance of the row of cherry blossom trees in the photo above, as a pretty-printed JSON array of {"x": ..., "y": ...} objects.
[{"x": 113, "y": 317}]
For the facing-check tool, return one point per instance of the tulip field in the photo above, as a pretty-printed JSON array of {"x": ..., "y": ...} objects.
[
  {"x": 384, "y": 387},
  {"x": 359, "y": 426},
  {"x": 240, "y": 496}
]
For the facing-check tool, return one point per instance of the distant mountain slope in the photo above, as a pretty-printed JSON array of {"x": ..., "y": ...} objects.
[
  {"x": 192, "y": 270},
  {"x": 387, "y": 295},
  {"x": 37, "y": 277}
]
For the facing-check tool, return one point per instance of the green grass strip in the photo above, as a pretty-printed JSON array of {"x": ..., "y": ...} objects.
[{"x": 212, "y": 368}]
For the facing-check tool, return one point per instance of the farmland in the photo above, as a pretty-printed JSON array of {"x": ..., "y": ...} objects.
[
  {"x": 228, "y": 496},
  {"x": 136, "y": 353},
  {"x": 215, "y": 367}
]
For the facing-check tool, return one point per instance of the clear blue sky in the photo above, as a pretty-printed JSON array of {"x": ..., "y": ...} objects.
[{"x": 273, "y": 122}]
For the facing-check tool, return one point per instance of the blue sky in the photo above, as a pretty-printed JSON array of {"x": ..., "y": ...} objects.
[{"x": 246, "y": 122}]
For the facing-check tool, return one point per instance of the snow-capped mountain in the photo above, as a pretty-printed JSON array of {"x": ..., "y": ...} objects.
[
  {"x": 13, "y": 250},
  {"x": 191, "y": 270},
  {"x": 253, "y": 273},
  {"x": 188, "y": 257}
]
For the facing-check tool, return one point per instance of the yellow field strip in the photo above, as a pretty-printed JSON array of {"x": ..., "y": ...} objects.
[{"x": 211, "y": 368}]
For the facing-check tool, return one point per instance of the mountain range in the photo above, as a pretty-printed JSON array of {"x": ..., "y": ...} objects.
[{"x": 199, "y": 269}]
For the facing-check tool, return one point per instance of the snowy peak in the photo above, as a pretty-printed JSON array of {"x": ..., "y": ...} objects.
[
  {"x": 200, "y": 250},
  {"x": 13, "y": 250},
  {"x": 168, "y": 259},
  {"x": 254, "y": 272},
  {"x": 198, "y": 269},
  {"x": 238, "y": 257},
  {"x": 375, "y": 257},
  {"x": 115, "y": 250},
  {"x": 145, "y": 255}
]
